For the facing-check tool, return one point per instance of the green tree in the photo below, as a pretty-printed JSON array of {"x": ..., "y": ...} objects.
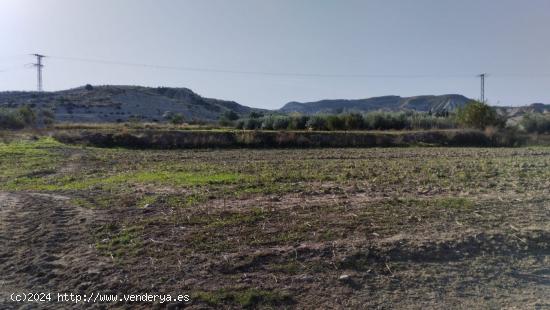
[
  {"x": 252, "y": 123},
  {"x": 230, "y": 115},
  {"x": 353, "y": 121},
  {"x": 177, "y": 118},
  {"x": 335, "y": 122},
  {"x": 317, "y": 122},
  {"x": 281, "y": 122},
  {"x": 255, "y": 114},
  {"x": 536, "y": 123},
  {"x": 298, "y": 122},
  {"x": 228, "y": 118},
  {"x": 9, "y": 119},
  {"x": 267, "y": 122},
  {"x": 47, "y": 116},
  {"x": 478, "y": 115},
  {"x": 27, "y": 115}
]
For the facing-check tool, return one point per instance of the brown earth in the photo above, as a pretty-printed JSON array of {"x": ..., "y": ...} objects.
[
  {"x": 48, "y": 247},
  {"x": 400, "y": 228}
]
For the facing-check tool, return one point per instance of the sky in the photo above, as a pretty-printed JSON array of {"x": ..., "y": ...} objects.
[{"x": 265, "y": 53}]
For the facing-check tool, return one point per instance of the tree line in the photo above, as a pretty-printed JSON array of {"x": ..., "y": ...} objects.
[
  {"x": 473, "y": 115},
  {"x": 24, "y": 116}
]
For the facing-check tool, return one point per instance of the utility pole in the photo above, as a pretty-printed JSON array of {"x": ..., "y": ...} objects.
[
  {"x": 39, "y": 67},
  {"x": 482, "y": 76}
]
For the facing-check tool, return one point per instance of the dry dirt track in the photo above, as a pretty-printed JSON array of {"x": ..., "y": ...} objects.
[{"x": 46, "y": 247}]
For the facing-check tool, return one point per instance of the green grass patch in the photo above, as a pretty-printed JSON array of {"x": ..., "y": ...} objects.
[
  {"x": 28, "y": 159},
  {"x": 179, "y": 178},
  {"x": 118, "y": 242},
  {"x": 29, "y": 147},
  {"x": 247, "y": 298},
  {"x": 454, "y": 203},
  {"x": 73, "y": 182}
]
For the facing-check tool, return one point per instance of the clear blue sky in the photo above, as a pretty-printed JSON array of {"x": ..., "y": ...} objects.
[{"x": 426, "y": 46}]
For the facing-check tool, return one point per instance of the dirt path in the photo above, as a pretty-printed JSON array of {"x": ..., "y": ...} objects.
[{"x": 47, "y": 248}]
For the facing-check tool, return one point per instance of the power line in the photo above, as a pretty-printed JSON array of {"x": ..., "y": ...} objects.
[
  {"x": 292, "y": 74},
  {"x": 4, "y": 57},
  {"x": 39, "y": 67},
  {"x": 522, "y": 75},
  {"x": 265, "y": 73}
]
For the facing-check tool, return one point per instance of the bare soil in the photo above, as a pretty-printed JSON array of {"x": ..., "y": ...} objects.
[
  {"x": 411, "y": 228},
  {"x": 47, "y": 247}
]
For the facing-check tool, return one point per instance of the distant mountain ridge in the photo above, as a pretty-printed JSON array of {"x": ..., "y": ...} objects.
[
  {"x": 113, "y": 103},
  {"x": 434, "y": 104}
]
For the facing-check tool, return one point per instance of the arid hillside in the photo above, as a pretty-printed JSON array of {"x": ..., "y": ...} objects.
[{"x": 123, "y": 103}]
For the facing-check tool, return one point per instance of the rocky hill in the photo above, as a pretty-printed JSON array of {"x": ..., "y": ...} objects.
[
  {"x": 432, "y": 104},
  {"x": 520, "y": 111},
  {"x": 122, "y": 103}
]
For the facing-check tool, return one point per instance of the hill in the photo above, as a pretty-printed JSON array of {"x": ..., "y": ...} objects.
[
  {"x": 516, "y": 114},
  {"x": 121, "y": 103},
  {"x": 432, "y": 104},
  {"x": 520, "y": 111},
  {"x": 112, "y": 103}
]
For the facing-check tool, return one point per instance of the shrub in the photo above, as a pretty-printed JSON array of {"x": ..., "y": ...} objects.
[
  {"x": 426, "y": 121},
  {"x": 387, "y": 120},
  {"x": 335, "y": 122},
  {"x": 317, "y": 122},
  {"x": 227, "y": 118},
  {"x": 252, "y": 124},
  {"x": 536, "y": 123},
  {"x": 298, "y": 122},
  {"x": 225, "y": 122},
  {"x": 478, "y": 115},
  {"x": 17, "y": 118},
  {"x": 27, "y": 115},
  {"x": 353, "y": 121},
  {"x": 509, "y": 137},
  {"x": 176, "y": 118},
  {"x": 240, "y": 124},
  {"x": 374, "y": 120},
  {"x": 255, "y": 115},
  {"x": 267, "y": 123},
  {"x": 10, "y": 120},
  {"x": 202, "y": 139},
  {"x": 230, "y": 115},
  {"x": 281, "y": 122},
  {"x": 400, "y": 121},
  {"x": 47, "y": 116}
]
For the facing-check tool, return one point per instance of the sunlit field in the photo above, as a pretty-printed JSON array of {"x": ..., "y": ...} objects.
[{"x": 306, "y": 228}]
